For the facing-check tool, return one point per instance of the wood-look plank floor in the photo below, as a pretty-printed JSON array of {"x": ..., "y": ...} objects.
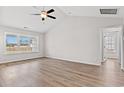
[{"x": 46, "y": 72}]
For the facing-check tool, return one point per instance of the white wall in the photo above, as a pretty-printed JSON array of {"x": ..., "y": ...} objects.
[
  {"x": 77, "y": 39},
  {"x": 16, "y": 57}
]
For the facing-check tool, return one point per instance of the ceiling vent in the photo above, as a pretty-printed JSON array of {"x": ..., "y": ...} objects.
[{"x": 108, "y": 11}]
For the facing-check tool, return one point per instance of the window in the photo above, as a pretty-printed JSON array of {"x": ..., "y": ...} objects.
[
  {"x": 25, "y": 44},
  {"x": 11, "y": 43},
  {"x": 109, "y": 42},
  {"x": 17, "y": 43}
]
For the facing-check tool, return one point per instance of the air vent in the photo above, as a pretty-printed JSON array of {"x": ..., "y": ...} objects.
[{"x": 108, "y": 11}]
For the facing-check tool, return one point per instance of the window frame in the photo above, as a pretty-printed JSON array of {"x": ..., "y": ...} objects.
[{"x": 18, "y": 42}]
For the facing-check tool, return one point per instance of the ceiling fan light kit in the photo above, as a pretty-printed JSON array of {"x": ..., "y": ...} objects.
[{"x": 45, "y": 14}]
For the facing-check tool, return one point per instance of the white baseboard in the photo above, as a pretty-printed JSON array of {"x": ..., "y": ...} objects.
[
  {"x": 19, "y": 60},
  {"x": 77, "y": 61}
]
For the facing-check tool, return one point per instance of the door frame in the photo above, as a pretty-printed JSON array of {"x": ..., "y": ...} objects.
[{"x": 121, "y": 49}]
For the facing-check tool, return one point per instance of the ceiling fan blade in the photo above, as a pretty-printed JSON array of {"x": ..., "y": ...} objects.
[
  {"x": 51, "y": 16},
  {"x": 35, "y": 14},
  {"x": 50, "y": 11}
]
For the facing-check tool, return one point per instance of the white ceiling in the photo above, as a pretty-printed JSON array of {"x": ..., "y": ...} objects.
[
  {"x": 91, "y": 11},
  {"x": 19, "y": 16}
]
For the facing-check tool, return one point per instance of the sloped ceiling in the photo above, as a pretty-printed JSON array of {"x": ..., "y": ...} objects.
[{"x": 20, "y": 16}]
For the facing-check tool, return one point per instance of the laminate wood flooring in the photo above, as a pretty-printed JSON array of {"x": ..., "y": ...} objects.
[{"x": 47, "y": 72}]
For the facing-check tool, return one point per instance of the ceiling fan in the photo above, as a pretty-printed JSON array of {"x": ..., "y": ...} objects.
[{"x": 44, "y": 14}]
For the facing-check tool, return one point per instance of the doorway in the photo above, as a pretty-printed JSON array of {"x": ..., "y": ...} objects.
[{"x": 112, "y": 45}]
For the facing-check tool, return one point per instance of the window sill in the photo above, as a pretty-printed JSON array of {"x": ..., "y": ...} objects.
[{"x": 21, "y": 52}]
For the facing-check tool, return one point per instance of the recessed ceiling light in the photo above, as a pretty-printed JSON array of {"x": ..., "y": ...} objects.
[{"x": 25, "y": 27}]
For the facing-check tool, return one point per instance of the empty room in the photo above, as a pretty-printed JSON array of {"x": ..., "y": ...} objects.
[{"x": 61, "y": 46}]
